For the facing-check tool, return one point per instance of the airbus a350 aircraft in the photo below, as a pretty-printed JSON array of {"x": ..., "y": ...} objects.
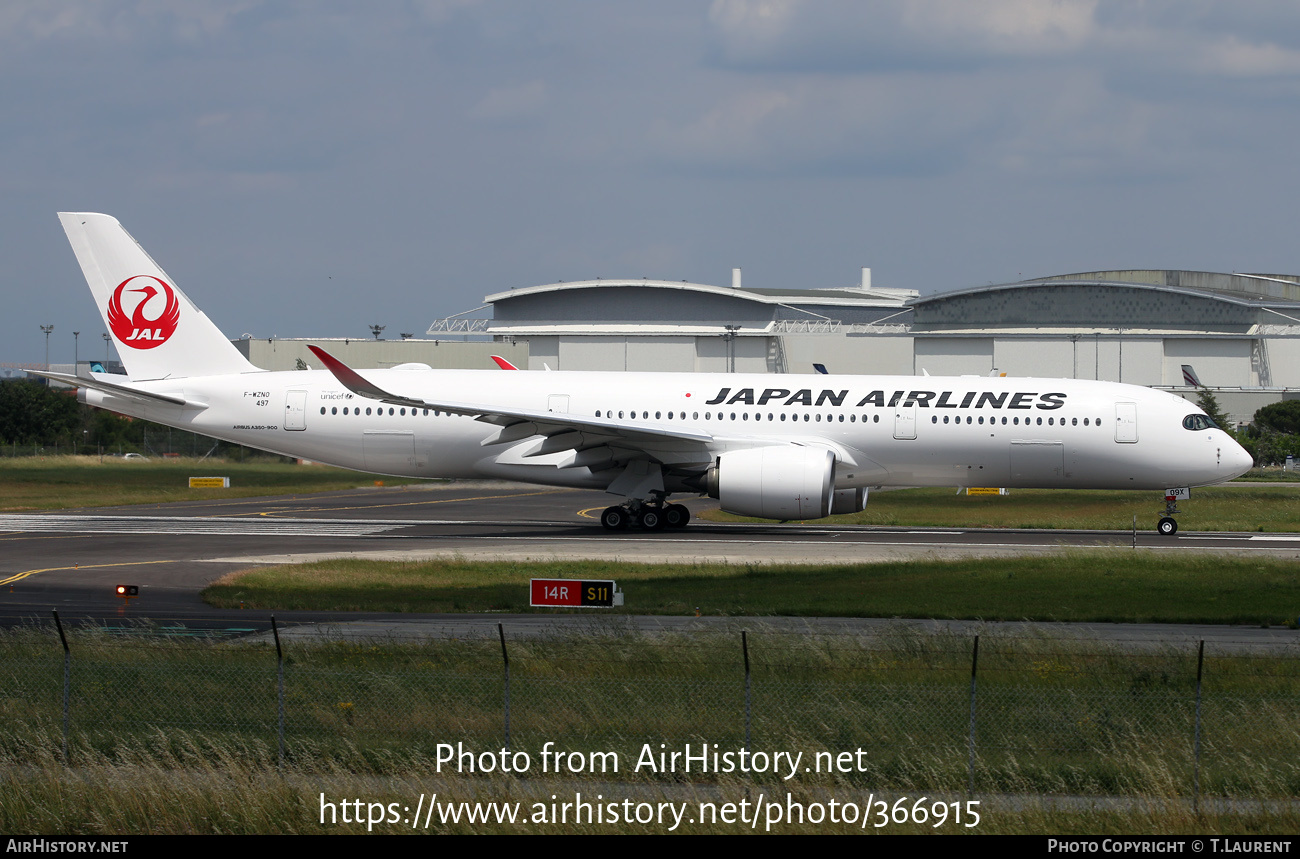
[{"x": 775, "y": 447}]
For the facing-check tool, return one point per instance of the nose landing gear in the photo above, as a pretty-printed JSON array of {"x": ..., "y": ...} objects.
[{"x": 1167, "y": 526}]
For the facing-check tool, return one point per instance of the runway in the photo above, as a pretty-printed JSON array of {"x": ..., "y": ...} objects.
[{"x": 71, "y": 560}]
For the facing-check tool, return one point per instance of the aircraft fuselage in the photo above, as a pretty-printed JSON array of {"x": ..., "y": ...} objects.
[{"x": 883, "y": 430}]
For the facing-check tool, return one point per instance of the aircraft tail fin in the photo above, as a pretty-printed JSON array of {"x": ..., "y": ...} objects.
[{"x": 158, "y": 331}]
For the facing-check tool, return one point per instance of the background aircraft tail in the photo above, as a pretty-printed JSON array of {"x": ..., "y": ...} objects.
[{"x": 158, "y": 331}]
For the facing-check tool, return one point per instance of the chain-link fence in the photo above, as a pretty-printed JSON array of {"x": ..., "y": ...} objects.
[{"x": 895, "y": 709}]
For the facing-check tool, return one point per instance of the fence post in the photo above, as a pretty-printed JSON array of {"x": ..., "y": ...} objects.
[
  {"x": 67, "y": 682},
  {"x": 279, "y": 671},
  {"x": 505, "y": 658},
  {"x": 974, "y": 664},
  {"x": 744, "y": 646},
  {"x": 1196, "y": 743}
]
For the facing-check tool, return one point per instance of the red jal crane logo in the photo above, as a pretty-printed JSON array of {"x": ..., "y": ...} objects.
[{"x": 137, "y": 330}]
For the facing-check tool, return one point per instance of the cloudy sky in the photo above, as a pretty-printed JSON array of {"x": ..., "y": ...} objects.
[{"x": 310, "y": 168}]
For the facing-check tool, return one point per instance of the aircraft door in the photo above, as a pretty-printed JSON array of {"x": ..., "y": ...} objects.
[
  {"x": 1126, "y": 423},
  {"x": 295, "y": 410},
  {"x": 905, "y": 421},
  {"x": 1038, "y": 463},
  {"x": 558, "y": 403},
  {"x": 389, "y": 451}
]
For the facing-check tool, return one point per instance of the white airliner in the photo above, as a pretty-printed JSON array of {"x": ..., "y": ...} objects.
[{"x": 771, "y": 446}]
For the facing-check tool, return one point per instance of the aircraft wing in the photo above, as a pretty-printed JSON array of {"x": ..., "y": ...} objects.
[{"x": 565, "y": 431}]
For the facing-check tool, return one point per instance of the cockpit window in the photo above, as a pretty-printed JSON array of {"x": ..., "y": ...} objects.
[{"x": 1199, "y": 422}]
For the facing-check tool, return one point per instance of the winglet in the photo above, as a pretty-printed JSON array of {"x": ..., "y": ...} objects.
[
  {"x": 354, "y": 381},
  {"x": 503, "y": 363}
]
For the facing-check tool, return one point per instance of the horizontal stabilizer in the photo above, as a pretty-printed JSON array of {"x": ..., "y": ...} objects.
[{"x": 118, "y": 390}]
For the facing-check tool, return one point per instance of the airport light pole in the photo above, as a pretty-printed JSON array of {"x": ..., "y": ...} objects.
[
  {"x": 76, "y": 341},
  {"x": 108, "y": 353},
  {"x": 47, "y": 329},
  {"x": 730, "y": 338}
]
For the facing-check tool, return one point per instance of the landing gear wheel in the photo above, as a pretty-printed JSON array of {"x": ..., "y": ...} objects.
[
  {"x": 615, "y": 518},
  {"x": 652, "y": 519},
  {"x": 1167, "y": 526},
  {"x": 676, "y": 515}
]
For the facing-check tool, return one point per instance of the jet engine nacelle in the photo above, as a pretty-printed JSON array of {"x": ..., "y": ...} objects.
[
  {"x": 774, "y": 482},
  {"x": 849, "y": 501}
]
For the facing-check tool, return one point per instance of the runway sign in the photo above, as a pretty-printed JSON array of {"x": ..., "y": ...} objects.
[
  {"x": 985, "y": 490},
  {"x": 571, "y": 592},
  {"x": 209, "y": 483}
]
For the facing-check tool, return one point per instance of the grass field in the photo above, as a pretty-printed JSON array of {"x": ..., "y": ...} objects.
[
  {"x": 51, "y": 483},
  {"x": 1118, "y": 585},
  {"x": 181, "y": 735},
  {"x": 1253, "y": 506}
]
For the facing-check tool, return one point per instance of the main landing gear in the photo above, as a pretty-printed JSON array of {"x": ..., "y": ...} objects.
[{"x": 649, "y": 516}]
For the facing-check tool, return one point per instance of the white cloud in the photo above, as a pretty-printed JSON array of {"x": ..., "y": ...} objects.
[
  {"x": 894, "y": 33},
  {"x": 523, "y": 101},
  {"x": 120, "y": 20},
  {"x": 1234, "y": 58},
  {"x": 844, "y": 36}
]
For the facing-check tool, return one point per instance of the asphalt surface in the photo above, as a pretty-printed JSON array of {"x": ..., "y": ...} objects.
[{"x": 71, "y": 560}]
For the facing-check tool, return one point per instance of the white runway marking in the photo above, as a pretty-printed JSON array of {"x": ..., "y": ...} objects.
[{"x": 252, "y": 526}]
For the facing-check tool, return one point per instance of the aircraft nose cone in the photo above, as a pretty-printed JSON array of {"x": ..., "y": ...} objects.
[{"x": 1235, "y": 460}]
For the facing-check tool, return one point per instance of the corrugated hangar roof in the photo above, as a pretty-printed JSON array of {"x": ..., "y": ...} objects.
[
  {"x": 646, "y": 306},
  {"x": 1285, "y": 287},
  {"x": 845, "y": 295},
  {"x": 1078, "y": 301}
]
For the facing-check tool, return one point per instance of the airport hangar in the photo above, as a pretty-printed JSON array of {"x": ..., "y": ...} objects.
[{"x": 1240, "y": 333}]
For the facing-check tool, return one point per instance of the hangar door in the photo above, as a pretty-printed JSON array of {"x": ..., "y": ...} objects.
[{"x": 953, "y": 356}]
